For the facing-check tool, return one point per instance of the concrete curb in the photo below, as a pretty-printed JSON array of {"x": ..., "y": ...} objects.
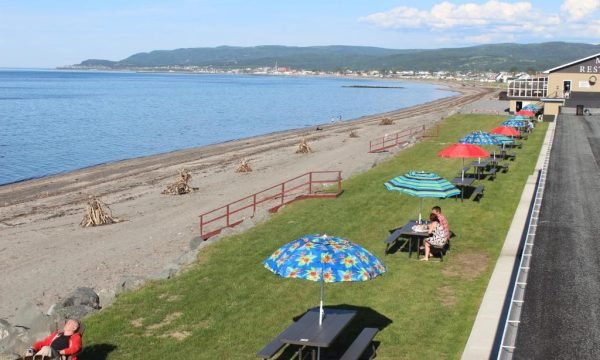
[{"x": 484, "y": 332}]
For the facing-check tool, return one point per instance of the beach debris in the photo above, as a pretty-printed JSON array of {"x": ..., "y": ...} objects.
[
  {"x": 303, "y": 147},
  {"x": 244, "y": 166},
  {"x": 353, "y": 134},
  {"x": 386, "y": 121},
  {"x": 181, "y": 186},
  {"x": 97, "y": 213}
]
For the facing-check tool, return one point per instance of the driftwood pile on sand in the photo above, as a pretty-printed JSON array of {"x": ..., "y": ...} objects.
[
  {"x": 303, "y": 147},
  {"x": 386, "y": 121},
  {"x": 97, "y": 213},
  {"x": 244, "y": 166},
  {"x": 181, "y": 186}
]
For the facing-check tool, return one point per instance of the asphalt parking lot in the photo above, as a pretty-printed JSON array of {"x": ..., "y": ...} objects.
[{"x": 561, "y": 313}]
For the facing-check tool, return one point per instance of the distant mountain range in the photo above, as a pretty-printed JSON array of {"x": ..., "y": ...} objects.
[{"x": 494, "y": 57}]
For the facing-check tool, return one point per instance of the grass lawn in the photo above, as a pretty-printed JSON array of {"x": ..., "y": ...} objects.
[{"x": 228, "y": 306}]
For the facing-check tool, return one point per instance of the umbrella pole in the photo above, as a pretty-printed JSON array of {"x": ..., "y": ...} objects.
[
  {"x": 462, "y": 182},
  {"x": 420, "y": 209},
  {"x": 321, "y": 312}
]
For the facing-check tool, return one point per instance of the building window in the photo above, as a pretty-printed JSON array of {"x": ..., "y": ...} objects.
[{"x": 535, "y": 87}]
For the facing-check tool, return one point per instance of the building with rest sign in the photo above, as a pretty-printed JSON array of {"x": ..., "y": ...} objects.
[{"x": 571, "y": 87}]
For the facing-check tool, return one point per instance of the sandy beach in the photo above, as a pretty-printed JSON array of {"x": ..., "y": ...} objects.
[{"x": 45, "y": 253}]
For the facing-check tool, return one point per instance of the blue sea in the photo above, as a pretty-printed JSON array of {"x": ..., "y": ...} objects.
[{"x": 56, "y": 121}]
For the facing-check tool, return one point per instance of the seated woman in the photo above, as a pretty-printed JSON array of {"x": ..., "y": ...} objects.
[
  {"x": 438, "y": 236},
  {"x": 61, "y": 345}
]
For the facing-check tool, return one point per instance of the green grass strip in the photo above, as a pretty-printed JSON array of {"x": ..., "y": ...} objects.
[{"x": 228, "y": 306}]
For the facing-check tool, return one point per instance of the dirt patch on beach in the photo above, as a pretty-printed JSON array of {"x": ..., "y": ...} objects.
[{"x": 39, "y": 219}]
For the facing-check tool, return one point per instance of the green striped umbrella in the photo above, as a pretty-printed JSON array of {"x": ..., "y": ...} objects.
[{"x": 424, "y": 185}]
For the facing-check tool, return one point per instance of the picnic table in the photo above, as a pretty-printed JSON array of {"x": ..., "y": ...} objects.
[
  {"x": 480, "y": 166},
  {"x": 504, "y": 154},
  {"x": 306, "y": 332},
  {"x": 409, "y": 234},
  {"x": 462, "y": 183}
]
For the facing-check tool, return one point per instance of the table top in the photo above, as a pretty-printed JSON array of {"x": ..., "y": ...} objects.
[
  {"x": 467, "y": 181},
  {"x": 306, "y": 331},
  {"x": 407, "y": 230},
  {"x": 482, "y": 163}
]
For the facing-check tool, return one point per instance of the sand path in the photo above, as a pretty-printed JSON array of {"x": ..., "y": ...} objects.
[{"x": 44, "y": 253}]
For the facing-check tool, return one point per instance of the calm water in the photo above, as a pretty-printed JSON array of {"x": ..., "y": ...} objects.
[{"x": 57, "y": 121}]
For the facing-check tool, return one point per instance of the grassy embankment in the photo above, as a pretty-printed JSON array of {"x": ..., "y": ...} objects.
[{"x": 228, "y": 306}]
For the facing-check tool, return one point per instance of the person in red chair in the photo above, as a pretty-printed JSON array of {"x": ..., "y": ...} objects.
[{"x": 60, "y": 344}]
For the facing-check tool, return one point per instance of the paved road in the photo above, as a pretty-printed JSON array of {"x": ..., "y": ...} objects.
[{"x": 561, "y": 313}]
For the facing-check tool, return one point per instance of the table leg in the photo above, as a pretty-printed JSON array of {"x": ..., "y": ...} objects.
[
  {"x": 410, "y": 247},
  {"x": 418, "y": 247}
]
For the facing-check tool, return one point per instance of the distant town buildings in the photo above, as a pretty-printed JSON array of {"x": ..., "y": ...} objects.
[{"x": 489, "y": 77}]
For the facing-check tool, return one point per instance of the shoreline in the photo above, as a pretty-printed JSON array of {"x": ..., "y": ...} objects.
[
  {"x": 454, "y": 91},
  {"x": 45, "y": 169},
  {"x": 40, "y": 219}
]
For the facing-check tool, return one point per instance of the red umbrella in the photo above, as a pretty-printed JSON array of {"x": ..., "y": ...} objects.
[
  {"x": 505, "y": 130},
  {"x": 463, "y": 151},
  {"x": 526, "y": 113}
]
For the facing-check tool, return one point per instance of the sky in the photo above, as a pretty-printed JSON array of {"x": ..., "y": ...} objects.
[{"x": 42, "y": 33}]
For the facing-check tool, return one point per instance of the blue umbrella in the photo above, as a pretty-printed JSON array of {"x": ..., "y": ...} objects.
[
  {"x": 422, "y": 184},
  {"x": 531, "y": 107},
  {"x": 501, "y": 139},
  {"x": 479, "y": 138},
  {"x": 514, "y": 123},
  {"x": 519, "y": 118},
  {"x": 324, "y": 259}
]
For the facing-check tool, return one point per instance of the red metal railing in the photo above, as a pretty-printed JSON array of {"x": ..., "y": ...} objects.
[
  {"x": 315, "y": 184},
  {"x": 400, "y": 138}
]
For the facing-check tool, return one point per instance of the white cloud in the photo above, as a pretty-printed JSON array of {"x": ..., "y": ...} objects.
[
  {"x": 448, "y": 15},
  {"x": 579, "y": 9},
  {"x": 496, "y": 21},
  {"x": 401, "y": 16}
]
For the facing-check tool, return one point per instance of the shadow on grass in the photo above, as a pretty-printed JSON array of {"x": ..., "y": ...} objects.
[
  {"x": 96, "y": 351},
  {"x": 365, "y": 317}
]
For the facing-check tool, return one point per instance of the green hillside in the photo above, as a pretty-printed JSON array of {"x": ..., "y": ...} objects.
[{"x": 494, "y": 57}]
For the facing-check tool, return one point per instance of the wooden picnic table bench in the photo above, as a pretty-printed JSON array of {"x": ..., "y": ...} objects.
[
  {"x": 272, "y": 348},
  {"x": 478, "y": 193},
  {"x": 360, "y": 344}
]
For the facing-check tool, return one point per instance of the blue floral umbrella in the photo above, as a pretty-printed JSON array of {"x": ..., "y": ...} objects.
[
  {"x": 479, "y": 138},
  {"x": 531, "y": 107},
  {"x": 422, "y": 184},
  {"x": 514, "y": 123},
  {"x": 324, "y": 258}
]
